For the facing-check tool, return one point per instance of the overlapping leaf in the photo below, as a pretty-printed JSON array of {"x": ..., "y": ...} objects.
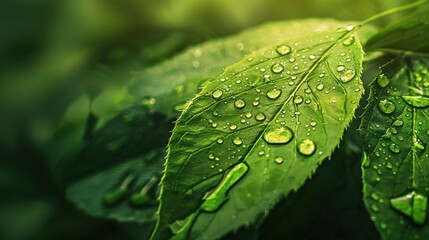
[
  {"x": 408, "y": 33},
  {"x": 395, "y": 130},
  {"x": 258, "y": 131},
  {"x": 116, "y": 172}
]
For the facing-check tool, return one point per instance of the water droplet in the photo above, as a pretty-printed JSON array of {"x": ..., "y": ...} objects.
[
  {"x": 283, "y": 50},
  {"x": 312, "y": 57},
  {"x": 248, "y": 114},
  {"x": 214, "y": 125},
  {"x": 274, "y": 94},
  {"x": 348, "y": 75},
  {"x": 215, "y": 113},
  {"x": 115, "y": 195},
  {"x": 219, "y": 140},
  {"x": 211, "y": 156},
  {"x": 278, "y": 135},
  {"x": 386, "y": 106},
  {"x": 277, "y": 68},
  {"x": 350, "y": 27},
  {"x": 260, "y": 117},
  {"x": 232, "y": 127},
  {"x": 313, "y": 123},
  {"x": 382, "y": 80},
  {"x": 416, "y": 101},
  {"x": 278, "y": 160},
  {"x": 255, "y": 103},
  {"x": 349, "y": 41},
  {"x": 306, "y": 147},
  {"x": 292, "y": 59},
  {"x": 398, "y": 123},
  {"x": 298, "y": 99},
  {"x": 341, "y": 68},
  {"x": 237, "y": 141},
  {"x": 375, "y": 196},
  {"x": 217, "y": 94},
  {"x": 320, "y": 86},
  {"x": 240, "y": 103},
  {"x": 219, "y": 195},
  {"x": 413, "y": 205},
  {"x": 394, "y": 148}
]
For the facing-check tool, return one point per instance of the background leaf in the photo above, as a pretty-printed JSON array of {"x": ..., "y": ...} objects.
[
  {"x": 125, "y": 148},
  {"x": 408, "y": 33},
  {"x": 394, "y": 129},
  {"x": 249, "y": 114},
  {"x": 177, "y": 80}
]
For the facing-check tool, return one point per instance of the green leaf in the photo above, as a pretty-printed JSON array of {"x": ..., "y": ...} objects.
[
  {"x": 395, "y": 134},
  {"x": 408, "y": 33},
  {"x": 258, "y": 131},
  {"x": 116, "y": 172},
  {"x": 168, "y": 86}
]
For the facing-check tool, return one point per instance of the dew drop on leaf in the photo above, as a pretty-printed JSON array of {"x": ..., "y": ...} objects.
[
  {"x": 240, "y": 103},
  {"x": 382, "y": 80},
  {"x": 237, "y": 141},
  {"x": 306, "y": 147},
  {"x": 320, "y": 86},
  {"x": 274, "y": 94},
  {"x": 260, "y": 117},
  {"x": 283, "y": 50},
  {"x": 278, "y": 135},
  {"x": 217, "y": 94},
  {"x": 386, "y": 106},
  {"x": 394, "y": 148},
  {"x": 277, "y": 68},
  {"x": 278, "y": 160},
  {"x": 349, "y": 41},
  {"x": 232, "y": 127},
  {"x": 348, "y": 75},
  {"x": 298, "y": 99}
]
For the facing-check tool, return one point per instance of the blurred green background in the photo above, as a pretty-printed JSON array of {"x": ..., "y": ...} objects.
[{"x": 58, "y": 56}]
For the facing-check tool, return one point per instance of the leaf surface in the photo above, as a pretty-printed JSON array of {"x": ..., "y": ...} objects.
[
  {"x": 408, "y": 33},
  {"x": 258, "y": 131},
  {"x": 167, "y": 86},
  {"x": 395, "y": 164},
  {"x": 116, "y": 172}
]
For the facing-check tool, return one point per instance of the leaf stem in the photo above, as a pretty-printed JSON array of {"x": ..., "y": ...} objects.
[{"x": 393, "y": 11}]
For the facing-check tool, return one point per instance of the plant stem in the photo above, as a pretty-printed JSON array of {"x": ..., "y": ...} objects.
[{"x": 393, "y": 11}]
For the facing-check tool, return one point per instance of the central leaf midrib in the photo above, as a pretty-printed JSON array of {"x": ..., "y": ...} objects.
[{"x": 311, "y": 70}]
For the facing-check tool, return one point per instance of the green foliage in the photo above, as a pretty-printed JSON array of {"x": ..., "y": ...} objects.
[
  {"x": 246, "y": 136},
  {"x": 268, "y": 114},
  {"x": 395, "y": 133}
]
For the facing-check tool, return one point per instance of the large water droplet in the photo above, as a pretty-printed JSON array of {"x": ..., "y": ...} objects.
[
  {"x": 278, "y": 135},
  {"x": 349, "y": 41},
  {"x": 278, "y": 160},
  {"x": 219, "y": 195},
  {"x": 386, "y": 106},
  {"x": 413, "y": 205},
  {"x": 232, "y": 127},
  {"x": 217, "y": 94},
  {"x": 237, "y": 141},
  {"x": 240, "y": 103},
  {"x": 348, "y": 75},
  {"x": 306, "y": 147},
  {"x": 394, "y": 148},
  {"x": 416, "y": 101},
  {"x": 382, "y": 80},
  {"x": 274, "y": 93},
  {"x": 277, "y": 68},
  {"x": 298, "y": 99},
  {"x": 283, "y": 50},
  {"x": 320, "y": 86},
  {"x": 260, "y": 117},
  {"x": 341, "y": 68}
]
